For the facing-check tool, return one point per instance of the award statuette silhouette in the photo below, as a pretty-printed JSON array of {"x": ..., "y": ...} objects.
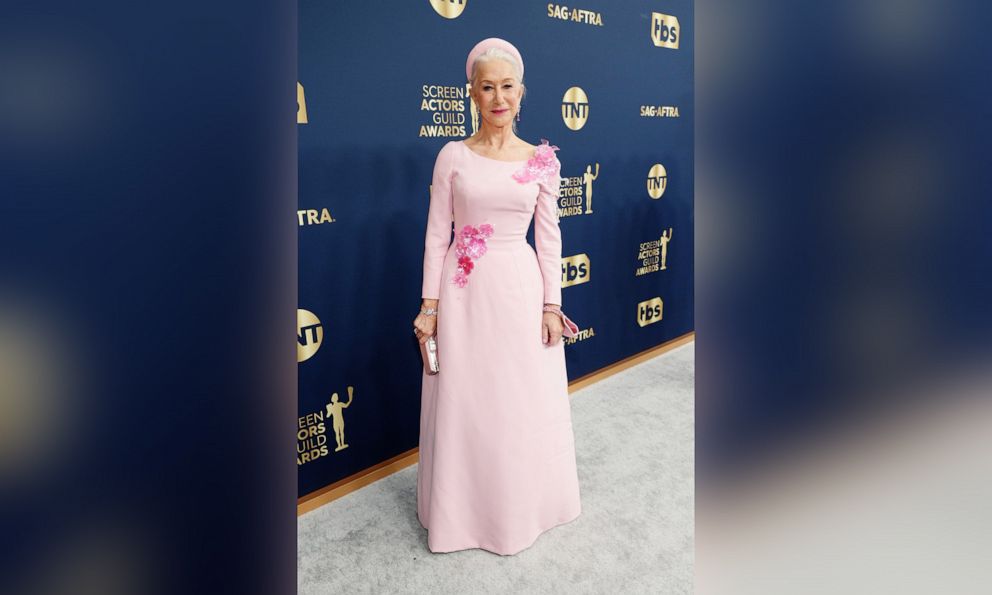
[
  {"x": 335, "y": 410},
  {"x": 588, "y": 178},
  {"x": 666, "y": 237}
]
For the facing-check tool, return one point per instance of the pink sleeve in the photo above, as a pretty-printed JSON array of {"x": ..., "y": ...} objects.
[
  {"x": 439, "y": 220},
  {"x": 547, "y": 235}
]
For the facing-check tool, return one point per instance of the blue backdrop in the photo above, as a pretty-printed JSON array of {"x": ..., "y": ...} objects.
[{"x": 381, "y": 91}]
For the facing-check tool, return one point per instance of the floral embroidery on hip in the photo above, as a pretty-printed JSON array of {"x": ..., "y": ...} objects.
[
  {"x": 470, "y": 245},
  {"x": 541, "y": 166}
]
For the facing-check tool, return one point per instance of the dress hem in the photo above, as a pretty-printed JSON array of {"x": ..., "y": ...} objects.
[{"x": 495, "y": 550}]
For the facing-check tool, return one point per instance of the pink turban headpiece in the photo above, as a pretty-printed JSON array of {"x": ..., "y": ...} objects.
[{"x": 493, "y": 42}]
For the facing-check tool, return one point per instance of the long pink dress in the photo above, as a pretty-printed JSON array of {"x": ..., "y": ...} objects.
[{"x": 497, "y": 452}]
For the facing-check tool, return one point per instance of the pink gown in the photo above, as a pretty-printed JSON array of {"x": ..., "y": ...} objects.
[{"x": 497, "y": 452}]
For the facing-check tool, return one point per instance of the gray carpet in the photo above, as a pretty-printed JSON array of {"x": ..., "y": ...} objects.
[{"x": 635, "y": 455}]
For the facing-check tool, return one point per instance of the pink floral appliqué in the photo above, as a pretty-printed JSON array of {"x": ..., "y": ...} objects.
[
  {"x": 470, "y": 244},
  {"x": 539, "y": 167}
]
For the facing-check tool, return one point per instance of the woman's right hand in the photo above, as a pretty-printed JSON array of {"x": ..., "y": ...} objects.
[{"x": 425, "y": 326}]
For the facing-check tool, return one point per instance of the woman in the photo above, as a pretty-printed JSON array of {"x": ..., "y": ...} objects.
[{"x": 497, "y": 454}]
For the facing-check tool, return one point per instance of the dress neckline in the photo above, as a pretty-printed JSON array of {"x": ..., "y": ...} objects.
[{"x": 467, "y": 148}]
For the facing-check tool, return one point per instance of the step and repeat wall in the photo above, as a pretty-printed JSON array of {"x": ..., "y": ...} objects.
[{"x": 381, "y": 89}]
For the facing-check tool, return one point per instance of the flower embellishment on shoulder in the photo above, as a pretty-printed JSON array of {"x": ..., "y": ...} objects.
[
  {"x": 541, "y": 166},
  {"x": 469, "y": 246}
]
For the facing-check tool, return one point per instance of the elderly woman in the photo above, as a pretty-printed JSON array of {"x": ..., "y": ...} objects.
[{"x": 497, "y": 453}]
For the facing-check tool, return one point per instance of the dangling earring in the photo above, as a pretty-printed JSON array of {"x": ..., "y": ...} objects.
[{"x": 518, "y": 113}]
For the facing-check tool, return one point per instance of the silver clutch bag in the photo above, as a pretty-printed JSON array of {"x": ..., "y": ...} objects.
[{"x": 428, "y": 351}]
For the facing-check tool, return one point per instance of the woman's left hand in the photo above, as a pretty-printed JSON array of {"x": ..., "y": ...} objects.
[{"x": 551, "y": 328}]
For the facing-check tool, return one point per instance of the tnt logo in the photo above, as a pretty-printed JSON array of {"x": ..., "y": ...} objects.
[
  {"x": 449, "y": 9},
  {"x": 575, "y": 108},
  {"x": 309, "y": 334},
  {"x": 301, "y": 105},
  {"x": 665, "y": 30},
  {"x": 649, "y": 312},
  {"x": 575, "y": 270},
  {"x": 657, "y": 180}
]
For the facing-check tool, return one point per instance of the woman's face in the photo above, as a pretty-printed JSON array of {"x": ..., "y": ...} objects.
[{"x": 496, "y": 92}]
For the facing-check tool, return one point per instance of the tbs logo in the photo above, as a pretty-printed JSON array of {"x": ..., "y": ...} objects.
[
  {"x": 649, "y": 312},
  {"x": 665, "y": 30},
  {"x": 574, "y": 270}
]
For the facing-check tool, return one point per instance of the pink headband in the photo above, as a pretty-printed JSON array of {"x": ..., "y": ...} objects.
[{"x": 493, "y": 42}]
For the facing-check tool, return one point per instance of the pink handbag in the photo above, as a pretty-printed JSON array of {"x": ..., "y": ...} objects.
[
  {"x": 428, "y": 351},
  {"x": 570, "y": 328}
]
